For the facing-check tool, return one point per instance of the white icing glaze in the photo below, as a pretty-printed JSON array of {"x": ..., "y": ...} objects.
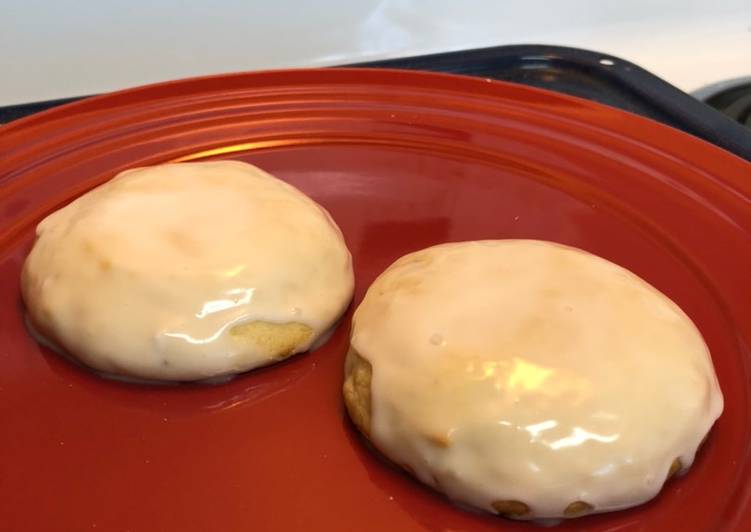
[
  {"x": 530, "y": 371},
  {"x": 144, "y": 275}
]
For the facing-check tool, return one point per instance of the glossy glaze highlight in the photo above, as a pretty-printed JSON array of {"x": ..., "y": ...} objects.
[
  {"x": 187, "y": 271},
  {"x": 561, "y": 381}
]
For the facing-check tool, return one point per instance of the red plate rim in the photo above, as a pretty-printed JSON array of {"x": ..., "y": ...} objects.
[{"x": 619, "y": 123}]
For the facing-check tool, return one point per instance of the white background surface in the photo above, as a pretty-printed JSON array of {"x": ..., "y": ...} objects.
[{"x": 58, "y": 48}]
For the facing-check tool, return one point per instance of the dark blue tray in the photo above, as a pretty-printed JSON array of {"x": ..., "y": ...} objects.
[{"x": 595, "y": 76}]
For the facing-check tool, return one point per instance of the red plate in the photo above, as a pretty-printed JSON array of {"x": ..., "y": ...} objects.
[{"x": 401, "y": 160}]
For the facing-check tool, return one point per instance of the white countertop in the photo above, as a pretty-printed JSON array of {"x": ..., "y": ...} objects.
[{"x": 58, "y": 48}]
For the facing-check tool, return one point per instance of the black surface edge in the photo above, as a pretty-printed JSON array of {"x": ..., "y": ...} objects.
[{"x": 14, "y": 112}]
